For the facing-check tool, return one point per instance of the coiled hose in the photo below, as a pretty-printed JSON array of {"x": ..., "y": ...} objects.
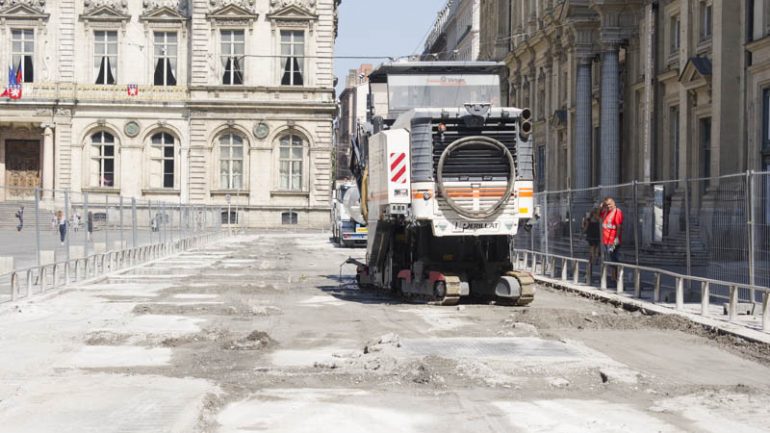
[{"x": 486, "y": 142}]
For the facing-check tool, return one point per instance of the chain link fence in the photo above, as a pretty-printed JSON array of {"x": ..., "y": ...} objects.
[
  {"x": 716, "y": 228},
  {"x": 42, "y": 228}
]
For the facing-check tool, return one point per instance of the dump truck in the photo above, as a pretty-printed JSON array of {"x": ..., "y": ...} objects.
[{"x": 446, "y": 180}]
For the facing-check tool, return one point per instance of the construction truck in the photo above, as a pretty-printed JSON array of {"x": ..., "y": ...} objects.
[
  {"x": 446, "y": 179},
  {"x": 347, "y": 222}
]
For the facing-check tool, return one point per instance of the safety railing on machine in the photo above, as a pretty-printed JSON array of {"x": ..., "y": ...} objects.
[{"x": 577, "y": 271}]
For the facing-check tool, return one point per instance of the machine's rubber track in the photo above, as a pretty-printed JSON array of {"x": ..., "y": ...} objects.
[{"x": 527, "y": 282}]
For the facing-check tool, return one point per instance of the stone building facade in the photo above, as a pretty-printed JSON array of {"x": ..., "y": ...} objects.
[
  {"x": 642, "y": 90},
  {"x": 352, "y": 113},
  {"x": 455, "y": 33},
  {"x": 185, "y": 101}
]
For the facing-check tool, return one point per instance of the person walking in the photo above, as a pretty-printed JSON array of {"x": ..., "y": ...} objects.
[
  {"x": 89, "y": 225},
  {"x": 20, "y": 217},
  {"x": 612, "y": 225},
  {"x": 592, "y": 228},
  {"x": 62, "y": 220}
]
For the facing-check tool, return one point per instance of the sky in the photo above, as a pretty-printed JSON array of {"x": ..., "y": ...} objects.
[{"x": 381, "y": 28}]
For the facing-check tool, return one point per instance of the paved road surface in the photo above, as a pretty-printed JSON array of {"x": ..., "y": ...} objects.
[{"x": 256, "y": 333}]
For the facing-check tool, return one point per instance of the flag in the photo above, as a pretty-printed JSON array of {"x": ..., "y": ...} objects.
[
  {"x": 19, "y": 76},
  {"x": 133, "y": 90},
  {"x": 13, "y": 90}
]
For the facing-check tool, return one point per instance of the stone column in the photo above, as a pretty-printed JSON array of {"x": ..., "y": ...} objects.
[
  {"x": 48, "y": 166},
  {"x": 583, "y": 123},
  {"x": 610, "y": 116}
]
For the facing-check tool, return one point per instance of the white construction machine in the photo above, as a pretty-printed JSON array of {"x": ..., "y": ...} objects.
[{"x": 446, "y": 176}]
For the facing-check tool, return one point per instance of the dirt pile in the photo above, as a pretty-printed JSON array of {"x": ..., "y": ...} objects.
[{"x": 256, "y": 340}]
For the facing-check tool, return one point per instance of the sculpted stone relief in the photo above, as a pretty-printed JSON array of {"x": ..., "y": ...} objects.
[
  {"x": 306, "y": 4},
  {"x": 249, "y": 5},
  {"x": 118, "y": 5},
  {"x": 177, "y": 5},
  {"x": 36, "y": 4}
]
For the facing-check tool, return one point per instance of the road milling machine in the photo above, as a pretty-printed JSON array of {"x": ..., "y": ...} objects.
[{"x": 446, "y": 180}]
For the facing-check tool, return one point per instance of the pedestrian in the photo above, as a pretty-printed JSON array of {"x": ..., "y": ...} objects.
[
  {"x": 75, "y": 221},
  {"x": 592, "y": 228},
  {"x": 20, "y": 217},
  {"x": 154, "y": 224},
  {"x": 612, "y": 225},
  {"x": 89, "y": 224},
  {"x": 62, "y": 220}
]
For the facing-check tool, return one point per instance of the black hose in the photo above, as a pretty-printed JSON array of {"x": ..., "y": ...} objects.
[{"x": 486, "y": 142}]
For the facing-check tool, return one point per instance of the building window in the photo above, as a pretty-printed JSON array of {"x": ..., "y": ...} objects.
[
  {"x": 289, "y": 218},
  {"x": 705, "y": 21},
  {"x": 165, "y": 58},
  {"x": 292, "y": 57},
  {"x": 232, "y": 56},
  {"x": 105, "y": 57},
  {"x": 231, "y": 161},
  {"x": 766, "y": 121},
  {"x": 103, "y": 162},
  {"x": 23, "y": 47},
  {"x": 163, "y": 163},
  {"x": 291, "y": 163},
  {"x": 675, "y": 40},
  {"x": 230, "y": 217},
  {"x": 674, "y": 140},
  {"x": 540, "y": 171},
  {"x": 705, "y": 141}
]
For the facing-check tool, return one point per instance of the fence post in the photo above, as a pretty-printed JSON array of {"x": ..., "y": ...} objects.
[
  {"x": 687, "y": 225},
  {"x": 751, "y": 228},
  {"x": 571, "y": 221},
  {"x": 705, "y": 298},
  {"x": 120, "y": 207},
  {"x": 133, "y": 223},
  {"x": 636, "y": 221},
  {"x": 545, "y": 226},
  {"x": 86, "y": 232},
  {"x": 68, "y": 229},
  {"x": 679, "y": 293},
  {"x": 732, "y": 306},
  {"x": 106, "y": 223},
  {"x": 37, "y": 224}
]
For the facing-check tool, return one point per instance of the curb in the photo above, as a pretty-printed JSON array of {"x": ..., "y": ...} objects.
[{"x": 638, "y": 304}]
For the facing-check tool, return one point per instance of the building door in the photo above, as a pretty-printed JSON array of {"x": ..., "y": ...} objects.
[{"x": 22, "y": 168}]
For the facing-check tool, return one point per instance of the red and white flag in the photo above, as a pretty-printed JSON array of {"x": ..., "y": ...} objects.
[
  {"x": 14, "y": 91},
  {"x": 133, "y": 90}
]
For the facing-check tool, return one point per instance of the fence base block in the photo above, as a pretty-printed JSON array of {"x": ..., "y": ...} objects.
[
  {"x": 6, "y": 265},
  {"x": 741, "y": 308},
  {"x": 77, "y": 252},
  {"x": 47, "y": 257}
]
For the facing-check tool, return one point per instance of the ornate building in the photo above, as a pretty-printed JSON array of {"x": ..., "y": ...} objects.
[
  {"x": 175, "y": 100},
  {"x": 455, "y": 33},
  {"x": 352, "y": 113},
  {"x": 628, "y": 90}
]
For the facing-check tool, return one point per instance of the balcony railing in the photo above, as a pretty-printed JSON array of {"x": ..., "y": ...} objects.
[{"x": 102, "y": 93}]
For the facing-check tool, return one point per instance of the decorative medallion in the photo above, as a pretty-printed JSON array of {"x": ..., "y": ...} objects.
[
  {"x": 131, "y": 129},
  {"x": 261, "y": 130}
]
